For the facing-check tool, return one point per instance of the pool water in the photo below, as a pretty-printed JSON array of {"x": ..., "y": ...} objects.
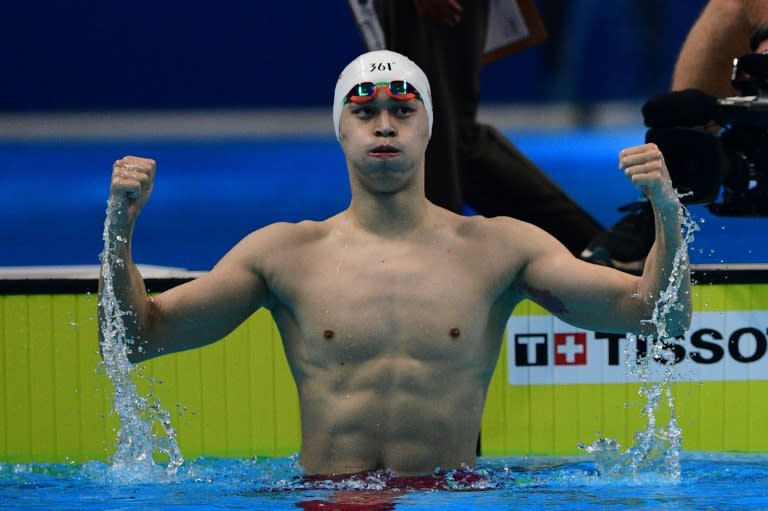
[{"x": 707, "y": 482}]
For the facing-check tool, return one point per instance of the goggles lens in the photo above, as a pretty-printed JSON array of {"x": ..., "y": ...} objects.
[{"x": 396, "y": 89}]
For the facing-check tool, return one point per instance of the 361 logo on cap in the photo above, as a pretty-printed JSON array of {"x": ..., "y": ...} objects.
[{"x": 380, "y": 66}]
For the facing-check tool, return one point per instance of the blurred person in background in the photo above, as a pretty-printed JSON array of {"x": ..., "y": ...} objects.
[
  {"x": 725, "y": 29},
  {"x": 469, "y": 163}
]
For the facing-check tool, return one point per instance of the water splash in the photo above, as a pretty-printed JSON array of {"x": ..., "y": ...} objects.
[
  {"x": 656, "y": 452},
  {"x": 137, "y": 443}
]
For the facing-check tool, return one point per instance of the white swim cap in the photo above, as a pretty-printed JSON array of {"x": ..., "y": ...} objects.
[{"x": 380, "y": 66}]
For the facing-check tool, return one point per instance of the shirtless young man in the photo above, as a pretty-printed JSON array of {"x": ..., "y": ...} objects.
[{"x": 392, "y": 312}]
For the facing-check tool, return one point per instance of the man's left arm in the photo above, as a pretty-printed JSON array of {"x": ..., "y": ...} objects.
[
  {"x": 667, "y": 261},
  {"x": 600, "y": 298}
]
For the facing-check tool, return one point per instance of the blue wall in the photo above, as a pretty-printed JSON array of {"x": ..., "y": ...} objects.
[
  {"x": 209, "y": 194},
  {"x": 80, "y": 54},
  {"x": 77, "y": 55}
]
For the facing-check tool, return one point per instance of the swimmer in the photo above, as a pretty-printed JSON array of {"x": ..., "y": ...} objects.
[{"x": 392, "y": 311}]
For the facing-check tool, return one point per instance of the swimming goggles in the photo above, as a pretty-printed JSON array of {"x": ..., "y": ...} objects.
[{"x": 396, "y": 89}]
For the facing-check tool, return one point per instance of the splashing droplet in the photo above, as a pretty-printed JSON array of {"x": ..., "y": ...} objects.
[
  {"x": 133, "y": 460},
  {"x": 657, "y": 449}
]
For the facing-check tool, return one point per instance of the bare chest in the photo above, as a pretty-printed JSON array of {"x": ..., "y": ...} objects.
[{"x": 415, "y": 303}]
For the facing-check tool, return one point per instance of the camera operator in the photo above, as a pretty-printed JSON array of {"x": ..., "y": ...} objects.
[
  {"x": 725, "y": 29},
  {"x": 722, "y": 32}
]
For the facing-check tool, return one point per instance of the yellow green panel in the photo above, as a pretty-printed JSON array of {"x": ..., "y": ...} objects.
[
  {"x": 708, "y": 418},
  {"x": 517, "y": 410},
  {"x": 187, "y": 409},
  {"x": 42, "y": 418},
  {"x": 758, "y": 423},
  {"x": 222, "y": 402},
  {"x": 94, "y": 395},
  {"x": 238, "y": 394},
  {"x": 736, "y": 409},
  {"x": 237, "y": 397},
  {"x": 287, "y": 422},
  {"x": 565, "y": 417},
  {"x": 620, "y": 403},
  {"x": 3, "y": 386},
  {"x": 759, "y": 296},
  {"x": 493, "y": 437},
  {"x": 708, "y": 298},
  {"x": 738, "y": 297},
  {"x": 17, "y": 393},
  {"x": 65, "y": 354},
  {"x": 720, "y": 297},
  {"x": 262, "y": 345},
  {"x": 688, "y": 402},
  {"x": 98, "y": 425},
  {"x": 541, "y": 400},
  {"x": 548, "y": 419},
  {"x": 529, "y": 308},
  {"x": 213, "y": 391},
  {"x": 161, "y": 383}
]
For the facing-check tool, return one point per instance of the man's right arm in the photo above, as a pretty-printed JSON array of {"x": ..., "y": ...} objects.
[{"x": 187, "y": 316}]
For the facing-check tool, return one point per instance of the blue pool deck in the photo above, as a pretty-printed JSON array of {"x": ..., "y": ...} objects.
[{"x": 216, "y": 185}]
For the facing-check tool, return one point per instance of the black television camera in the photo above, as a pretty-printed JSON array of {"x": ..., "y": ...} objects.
[{"x": 716, "y": 150}]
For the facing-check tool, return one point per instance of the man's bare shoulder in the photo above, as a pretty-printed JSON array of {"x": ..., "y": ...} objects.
[
  {"x": 509, "y": 239},
  {"x": 266, "y": 246},
  {"x": 287, "y": 234},
  {"x": 501, "y": 228}
]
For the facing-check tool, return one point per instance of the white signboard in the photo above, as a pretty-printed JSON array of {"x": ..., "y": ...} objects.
[{"x": 719, "y": 346}]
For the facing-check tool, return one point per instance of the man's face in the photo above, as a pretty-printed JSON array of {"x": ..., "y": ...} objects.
[{"x": 384, "y": 139}]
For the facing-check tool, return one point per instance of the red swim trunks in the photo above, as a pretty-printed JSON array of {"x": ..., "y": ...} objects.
[{"x": 376, "y": 490}]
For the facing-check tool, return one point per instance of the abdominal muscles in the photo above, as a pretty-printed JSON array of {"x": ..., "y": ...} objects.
[{"x": 391, "y": 413}]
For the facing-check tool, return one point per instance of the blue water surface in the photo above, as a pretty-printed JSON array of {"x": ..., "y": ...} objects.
[{"x": 708, "y": 482}]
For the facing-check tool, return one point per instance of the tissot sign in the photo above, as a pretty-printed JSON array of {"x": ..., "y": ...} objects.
[{"x": 718, "y": 346}]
